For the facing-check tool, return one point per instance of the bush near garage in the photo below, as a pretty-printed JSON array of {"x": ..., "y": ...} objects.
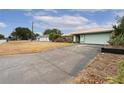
[
  {"x": 117, "y": 38},
  {"x": 64, "y": 39}
]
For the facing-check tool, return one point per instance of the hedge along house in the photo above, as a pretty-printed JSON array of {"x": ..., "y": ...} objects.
[{"x": 92, "y": 36}]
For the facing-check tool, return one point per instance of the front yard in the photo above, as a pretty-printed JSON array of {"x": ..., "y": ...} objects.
[
  {"x": 104, "y": 68},
  {"x": 19, "y": 47}
]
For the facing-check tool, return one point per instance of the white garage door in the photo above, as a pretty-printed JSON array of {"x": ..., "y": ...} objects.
[{"x": 96, "y": 38}]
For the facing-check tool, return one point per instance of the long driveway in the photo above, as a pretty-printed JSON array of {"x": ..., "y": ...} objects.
[{"x": 54, "y": 66}]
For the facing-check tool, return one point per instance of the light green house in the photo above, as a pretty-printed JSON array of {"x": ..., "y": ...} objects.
[{"x": 92, "y": 36}]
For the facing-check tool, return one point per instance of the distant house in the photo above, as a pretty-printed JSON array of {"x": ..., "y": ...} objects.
[
  {"x": 3, "y": 41},
  {"x": 44, "y": 38},
  {"x": 92, "y": 36}
]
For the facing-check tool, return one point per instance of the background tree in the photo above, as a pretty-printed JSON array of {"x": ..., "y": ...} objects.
[
  {"x": 22, "y": 33},
  {"x": 53, "y": 36},
  {"x": 118, "y": 33},
  {"x": 2, "y": 36},
  {"x": 37, "y": 35},
  {"x": 53, "y": 33},
  {"x": 48, "y": 31}
]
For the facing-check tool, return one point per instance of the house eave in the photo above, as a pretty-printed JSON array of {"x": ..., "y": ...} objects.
[{"x": 107, "y": 31}]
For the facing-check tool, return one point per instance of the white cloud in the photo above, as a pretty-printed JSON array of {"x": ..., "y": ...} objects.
[
  {"x": 32, "y": 13},
  {"x": 51, "y": 10},
  {"x": 26, "y": 9},
  {"x": 63, "y": 21},
  {"x": 119, "y": 13},
  {"x": 2, "y": 25},
  {"x": 89, "y": 10},
  {"x": 90, "y": 25},
  {"x": 39, "y": 12},
  {"x": 43, "y": 20}
]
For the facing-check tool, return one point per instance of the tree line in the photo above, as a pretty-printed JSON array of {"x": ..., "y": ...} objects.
[
  {"x": 2, "y": 36},
  {"x": 24, "y": 33}
]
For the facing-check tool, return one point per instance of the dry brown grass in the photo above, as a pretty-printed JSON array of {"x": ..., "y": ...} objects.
[
  {"x": 19, "y": 47},
  {"x": 101, "y": 67}
]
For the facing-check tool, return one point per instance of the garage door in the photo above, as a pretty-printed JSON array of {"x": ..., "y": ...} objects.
[{"x": 96, "y": 38}]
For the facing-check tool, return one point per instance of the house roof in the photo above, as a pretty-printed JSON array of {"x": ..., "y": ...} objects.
[{"x": 93, "y": 30}]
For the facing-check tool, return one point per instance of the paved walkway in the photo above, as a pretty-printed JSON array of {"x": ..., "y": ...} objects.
[{"x": 54, "y": 66}]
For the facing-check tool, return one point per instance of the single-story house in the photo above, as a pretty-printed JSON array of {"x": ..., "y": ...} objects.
[
  {"x": 92, "y": 36},
  {"x": 44, "y": 38}
]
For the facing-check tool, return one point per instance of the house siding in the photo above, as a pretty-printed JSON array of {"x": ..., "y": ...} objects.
[
  {"x": 74, "y": 38},
  {"x": 43, "y": 38},
  {"x": 95, "y": 38},
  {"x": 82, "y": 38}
]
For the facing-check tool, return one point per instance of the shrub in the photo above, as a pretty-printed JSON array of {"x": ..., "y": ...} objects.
[
  {"x": 53, "y": 36},
  {"x": 118, "y": 40},
  {"x": 63, "y": 39},
  {"x": 118, "y": 33}
]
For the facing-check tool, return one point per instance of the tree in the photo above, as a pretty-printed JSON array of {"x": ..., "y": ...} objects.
[
  {"x": 118, "y": 33},
  {"x": 53, "y": 33},
  {"x": 2, "y": 36},
  {"x": 48, "y": 31},
  {"x": 37, "y": 35},
  {"x": 22, "y": 33},
  {"x": 53, "y": 36}
]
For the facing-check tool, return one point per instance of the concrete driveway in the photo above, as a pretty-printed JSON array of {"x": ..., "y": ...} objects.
[{"x": 54, "y": 66}]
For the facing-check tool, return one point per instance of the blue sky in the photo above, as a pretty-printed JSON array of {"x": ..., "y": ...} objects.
[{"x": 66, "y": 20}]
